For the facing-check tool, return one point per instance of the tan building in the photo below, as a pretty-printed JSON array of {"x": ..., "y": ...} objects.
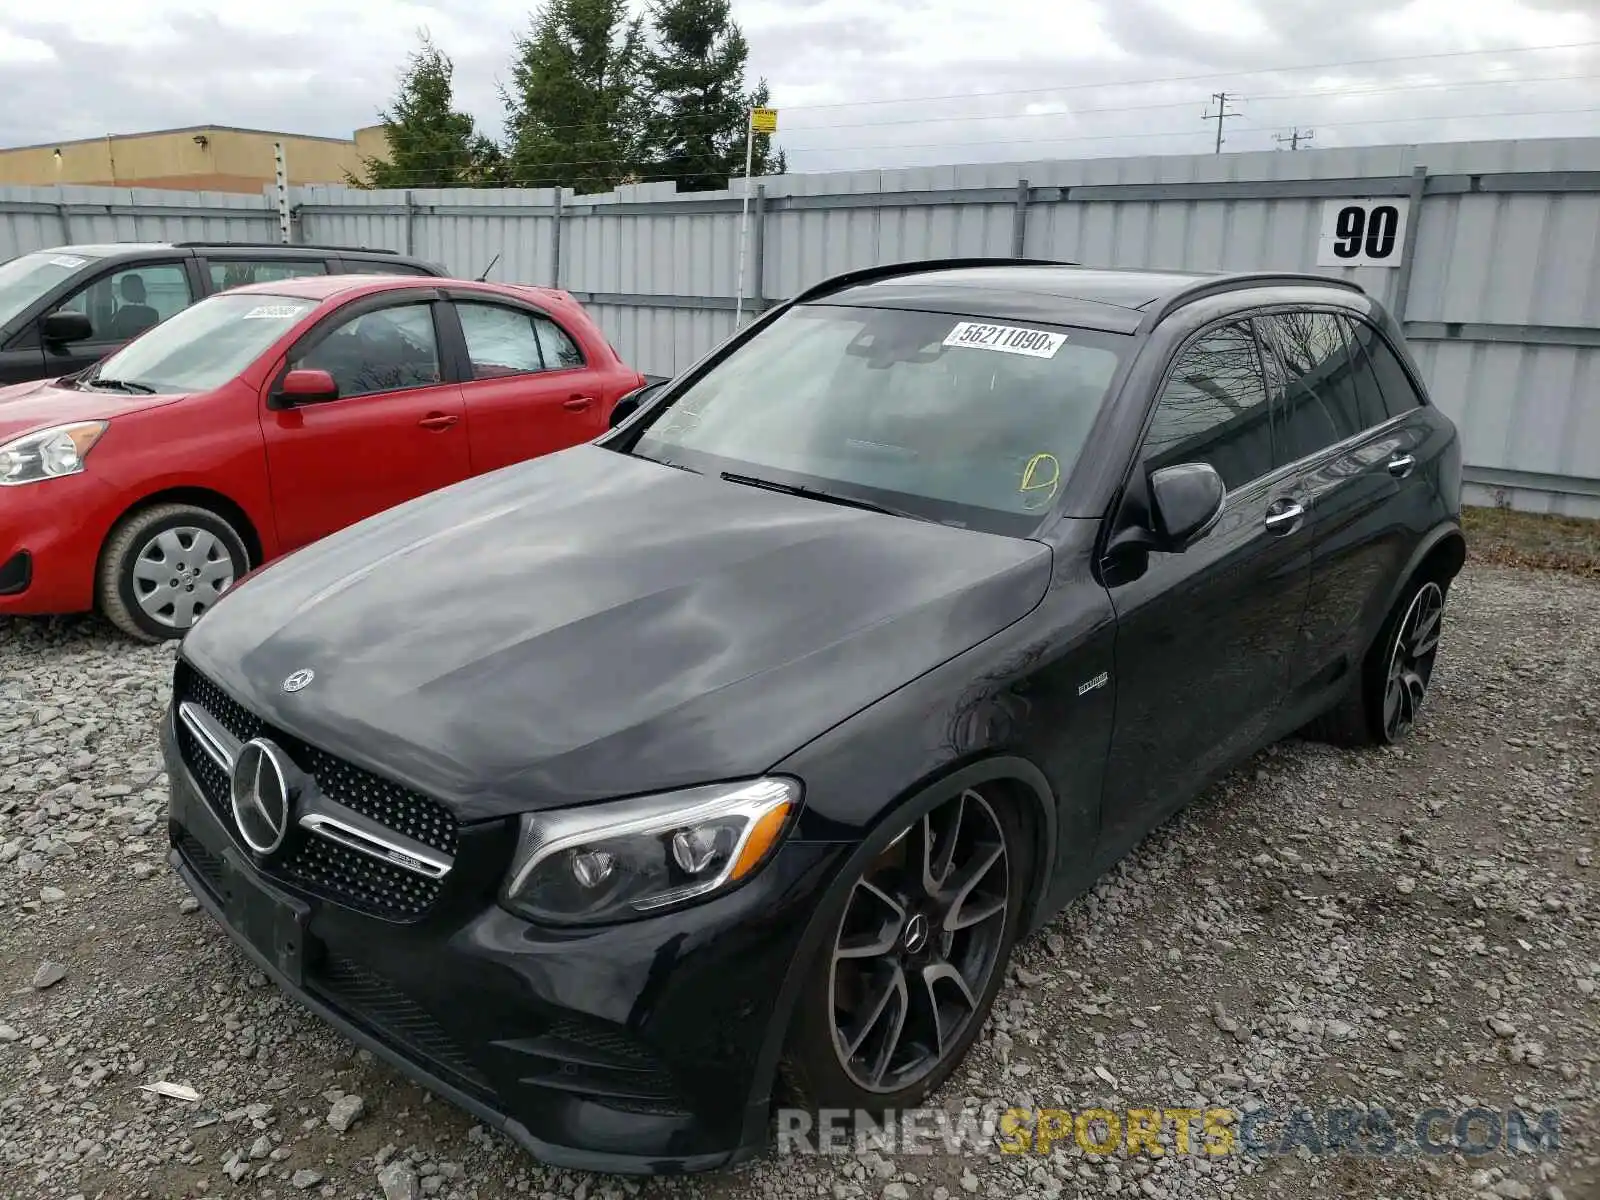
[{"x": 216, "y": 158}]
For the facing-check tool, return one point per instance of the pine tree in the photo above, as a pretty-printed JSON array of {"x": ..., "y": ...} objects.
[
  {"x": 573, "y": 111},
  {"x": 694, "y": 77},
  {"x": 430, "y": 144}
]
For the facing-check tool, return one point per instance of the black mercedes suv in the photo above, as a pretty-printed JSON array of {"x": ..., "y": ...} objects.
[
  {"x": 67, "y": 307},
  {"x": 593, "y": 791}
]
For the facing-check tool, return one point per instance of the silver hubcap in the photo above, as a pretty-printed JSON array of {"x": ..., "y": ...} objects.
[
  {"x": 179, "y": 574},
  {"x": 1416, "y": 645}
]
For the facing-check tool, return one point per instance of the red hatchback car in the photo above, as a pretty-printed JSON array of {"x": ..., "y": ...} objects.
[{"x": 266, "y": 417}]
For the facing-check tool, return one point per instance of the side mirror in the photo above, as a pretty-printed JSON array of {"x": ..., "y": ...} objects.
[
  {"x": 305, "y": 386},
  {"x": 65, "y": 326},
  {"x": 1185, "y": 504},
  {"x": 635, "y": 400}
]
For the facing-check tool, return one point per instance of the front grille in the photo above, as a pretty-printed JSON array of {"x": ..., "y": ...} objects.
[
  {"x": 316, "y": 865},
  {"x": 356, "y": 880},
  {"x": 376, "y": 1004}
]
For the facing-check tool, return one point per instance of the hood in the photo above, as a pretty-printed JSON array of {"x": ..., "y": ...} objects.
[
  {"x": 25, "y": 407},
  {"x": 590, "y": 625}
]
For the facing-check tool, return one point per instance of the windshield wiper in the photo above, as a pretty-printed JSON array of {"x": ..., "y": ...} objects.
[
  {"x": 667, "y": 462},
  {"x": 795, "y": 489},
  {"x": 120, "y": 385}
]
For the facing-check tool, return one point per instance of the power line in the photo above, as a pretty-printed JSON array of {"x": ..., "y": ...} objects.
[
  {"x": 1141, "y": 134},
  {"x": 1334, "y": 93},
  {"x": 1169, "y": 79},
  {"x": 1221, "y": 115},
  {"x": 1324, "y": 93},
  {"x": 1281, "y": 70},
  {"x": 1294, "y": 139}
]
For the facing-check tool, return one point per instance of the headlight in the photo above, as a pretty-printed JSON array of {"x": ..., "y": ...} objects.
[
  {"x": 609, "y": 862},
  {"x": 48, "y": 453}
]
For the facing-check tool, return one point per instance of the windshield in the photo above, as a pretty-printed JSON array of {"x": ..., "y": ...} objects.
[
  {"x": 203, "y": 346},
  {"x": 23, "y": 280},
  {"x": 942, "y": 417}
]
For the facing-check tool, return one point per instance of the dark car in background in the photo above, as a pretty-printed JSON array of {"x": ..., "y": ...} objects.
[
  {"x": 107, "y": 295},
  {"x": 755, "y": 733}
]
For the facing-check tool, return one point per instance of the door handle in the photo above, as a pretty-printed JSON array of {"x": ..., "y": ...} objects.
[
  {"x": 1400, "y": 465},
  {"x": 1284, "y": 519},
  {"x": 438, "y": 421},
  {"x": 577, "y": 402}
]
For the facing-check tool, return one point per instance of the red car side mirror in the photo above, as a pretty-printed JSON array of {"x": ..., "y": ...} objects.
[{"x": 307, "y": 386}]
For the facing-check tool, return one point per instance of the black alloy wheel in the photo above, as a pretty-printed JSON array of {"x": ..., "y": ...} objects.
[
  {"x": 1411, "y": 658},
  {"x": 915, "y": 961}
]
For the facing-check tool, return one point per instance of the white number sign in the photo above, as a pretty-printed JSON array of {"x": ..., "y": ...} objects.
[{"x": 1362, "y": 233}]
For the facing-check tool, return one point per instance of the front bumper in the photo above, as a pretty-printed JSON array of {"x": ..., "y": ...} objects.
[
  {"x": 50, "y": 538},
  {"x": 639, "y": 1048}
]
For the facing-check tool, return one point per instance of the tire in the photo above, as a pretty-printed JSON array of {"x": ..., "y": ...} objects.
[
  {"x": 881, "y": 942},
  {"x": 1364, "y": 716},
  {"x": 160, "y": 537}
]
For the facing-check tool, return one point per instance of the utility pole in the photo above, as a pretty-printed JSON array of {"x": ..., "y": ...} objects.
[
  {"x": 280, "y": 180},
  {"x": 1221, "y": 115},
  {"x": 1294, "y": 139}
]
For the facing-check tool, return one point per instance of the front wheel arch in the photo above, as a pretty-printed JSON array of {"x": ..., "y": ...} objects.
[
  {"x": 200, "y": 497},
  {"x": 1017, "y": 778}
]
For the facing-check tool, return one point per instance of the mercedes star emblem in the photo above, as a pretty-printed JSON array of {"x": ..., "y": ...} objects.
[
  {"x": 300, "y": 679},
  {"x": 261, "y": 795}
]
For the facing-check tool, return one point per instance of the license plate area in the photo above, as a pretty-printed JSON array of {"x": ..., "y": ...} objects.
[{"x": 272, "y": 921}]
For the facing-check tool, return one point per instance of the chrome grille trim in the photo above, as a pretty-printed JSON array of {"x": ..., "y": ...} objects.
[
  {"x": 220, "y": 745},
  {"x": 362, "y": 836}
]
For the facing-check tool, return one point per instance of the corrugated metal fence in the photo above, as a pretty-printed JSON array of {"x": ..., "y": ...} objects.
[{"x": 1497, "y": 275}]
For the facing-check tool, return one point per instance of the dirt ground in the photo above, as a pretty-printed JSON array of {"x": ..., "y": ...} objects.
[{"x": 1401, "y": 930}]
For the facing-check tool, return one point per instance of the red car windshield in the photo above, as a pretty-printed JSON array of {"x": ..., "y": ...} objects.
[{"x": 202, "y": 347}]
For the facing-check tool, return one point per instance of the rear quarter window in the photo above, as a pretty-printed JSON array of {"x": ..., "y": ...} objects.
[{"x": 1398, "y": 393}]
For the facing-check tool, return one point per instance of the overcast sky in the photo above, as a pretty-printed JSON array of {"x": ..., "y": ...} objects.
[{"x": 898, "y": 83}]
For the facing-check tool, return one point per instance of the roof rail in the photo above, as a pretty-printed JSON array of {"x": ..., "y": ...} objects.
[
  {"x": 1216, "y": 285},
  {"x": 228, "y": 245},
  {"x": 890, "y": 270}
]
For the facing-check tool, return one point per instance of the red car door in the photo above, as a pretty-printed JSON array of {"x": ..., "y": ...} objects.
[
  {"x": 397, "y": 428},
  {"x": 527, "y": 387}
]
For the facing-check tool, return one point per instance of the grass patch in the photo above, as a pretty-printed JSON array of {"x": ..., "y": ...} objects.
[{"x": 1521, "y": 539}]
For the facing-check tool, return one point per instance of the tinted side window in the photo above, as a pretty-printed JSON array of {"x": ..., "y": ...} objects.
[
  {"x": 1315, "y": 398},
  {"x": 1213, "y": 409},
  {"x": 1399, "y": 396},
  {"x": 382, "y": 351},
  {"x": 500, "y": 340},
  {"x": 232, "y": 273},
  {"x": 125, "y": 303},
  {"x": 560, "y": 351}
]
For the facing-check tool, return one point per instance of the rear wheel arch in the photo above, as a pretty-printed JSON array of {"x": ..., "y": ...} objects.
[
  {"x": 1012, "y": 779},
  {"x": 1443, "y": 558}
]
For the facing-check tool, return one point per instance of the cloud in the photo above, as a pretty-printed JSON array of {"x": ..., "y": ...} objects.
[{"x": 903, "y": 82}]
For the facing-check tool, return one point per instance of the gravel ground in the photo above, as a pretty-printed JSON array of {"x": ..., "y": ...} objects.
[{"x": 1408, "y": 929}]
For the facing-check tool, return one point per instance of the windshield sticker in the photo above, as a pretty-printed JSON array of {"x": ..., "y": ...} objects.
[
  {"x": 1007, "y": 339},
  {"x": 273, "y": 312},
  {"x": 66, "y": 260}
]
